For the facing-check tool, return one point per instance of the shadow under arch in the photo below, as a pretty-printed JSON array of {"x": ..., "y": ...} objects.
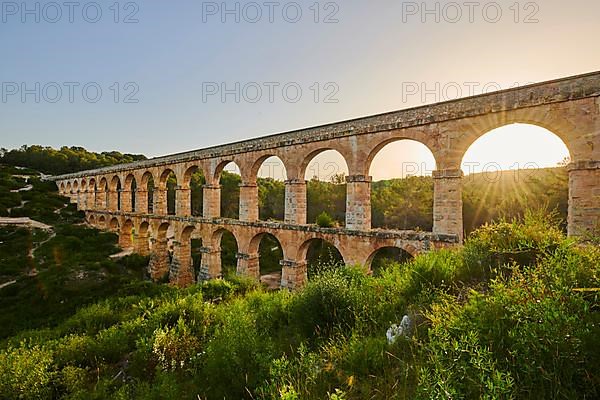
[
  {"x": 92, "y": 192},
  {"x": 126, "y": 233},
  {"x": 194, "y": 179},
  {"x": 114, "y": 225},
  {"x": 147, "y": 184},
  {"x": 130, "y": 185},
  {"x": 384, "y": 256},
  {"x": 115, "y": 190},
  {"x": 270, "y": 255},
  {"x": 168, "y": 182},
  {"x": 319, "y": 254},
  {"x": 225, "y": 242}
]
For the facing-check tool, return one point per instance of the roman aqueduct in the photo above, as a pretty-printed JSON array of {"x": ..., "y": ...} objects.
[{"x": 116, "y": 198}]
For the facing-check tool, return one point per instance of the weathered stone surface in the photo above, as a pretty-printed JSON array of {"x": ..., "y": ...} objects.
[{"x": 569, "y": 107}]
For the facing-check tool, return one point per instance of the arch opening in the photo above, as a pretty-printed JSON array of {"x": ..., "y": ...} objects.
[
  {"x": 168, "y": 183},
  {"x": 230, "y": 179},
  {"x": 386, "y": 256},
  {"x": 115, "y": 190},
  {"x": 131, "y": 187},
  {"x": 92, "y": 189},
  {"x": 195, "y": 180},
  {"x": 270, "y": 256},
  {"x": 271, "y": 176},
  {"x": 320, "y": 255},
  {"x": 126, "y": 235},
  {"x": 325, "y": 171},
  {"x": 114, "y": 225},
  {"x": 103, "y": 189},
  {"x": 226, "y": 243},
  {"x": 512, "y": 169},
  {"x": 402, "y": 187},
  {"x": 148, "y": 185},
  {"x": 143, "y": 238}
]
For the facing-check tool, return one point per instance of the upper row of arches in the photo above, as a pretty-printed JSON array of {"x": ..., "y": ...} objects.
[{"x": 510, "y": 147}]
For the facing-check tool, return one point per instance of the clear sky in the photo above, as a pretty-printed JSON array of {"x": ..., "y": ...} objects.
[{"x": 349, "y": 58}]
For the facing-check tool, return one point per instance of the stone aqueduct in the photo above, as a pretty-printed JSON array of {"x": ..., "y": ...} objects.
[{"x": 570, "y": 108}]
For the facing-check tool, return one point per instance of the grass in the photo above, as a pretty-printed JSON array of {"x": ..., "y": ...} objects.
[
  {"x": 502, "y": 317},
  {"x": 68, "y": 267}
]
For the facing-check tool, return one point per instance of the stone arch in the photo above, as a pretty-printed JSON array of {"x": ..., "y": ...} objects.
[
  {"x": 142, "y": 243},
  {"x": 328, "y": 170},
  {"x": 222, "y": 165},
  {"x": 408, "y": 166},
  {"x": 269, "y": 173},
  {"x": 167, "y": 193},
  {"x": 130, "y": 187},
  {"x": 188, "y": 173},
  {"x": 160, "y": 258},
  {"x": 324, "y": 250},
  {"x": 182, "y": 271},
  {"x": 92, "y": 194},
  {"x": 506, "y": 128},
  {"x": 396, "y": 253},
  {"x": 279, "y": 171},
  {"x": 503, "y": 173},
  {"x": 62, "y": 188},
  {"x": 480, "y": 126},
  {"x": 75, "y": 186},
  {"x": 103, "y": 196},
  {"x": 231, "y": 189},
  {"x": 102, "y": 222},
  {"x": 114, "y": 225},
  {"x": 148, "y": 185},
  {"x": 398, "y": 137},
  {"x": 69, "y": 189},
  {"x": 220, "y": 253},
  {"x": 320, "y": 174},
  {"x": 268, "y": 259},
  {"x": 192, "y": 188},
  {"x": 126, "y": 235},
  {"x": 92, "y": 220},
  {"x": 377, "y": 150},
  {"x": 114, "y": 193}
]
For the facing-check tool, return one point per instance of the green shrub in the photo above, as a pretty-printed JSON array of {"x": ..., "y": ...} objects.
[
  {"x": 333, "y": 301},
  {"x": 176, "y": 348},
  {"x": 217, "y": 289},
  {"x": 26, "y": 373},
  {"x": 74, "y": 379},
  {"x": 324, "y": 220},
  {"x": 237, "y": 356},
  {"x": 462, "y": 367}
]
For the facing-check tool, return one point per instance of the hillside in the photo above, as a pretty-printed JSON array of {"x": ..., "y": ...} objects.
[
  {"x": 48, "y": 273},
  {"x": 515, "y": 313}
]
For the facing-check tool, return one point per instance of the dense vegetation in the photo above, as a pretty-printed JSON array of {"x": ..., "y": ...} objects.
[
  {"x": 510, "y": 315},
  {"x": 513, "y": 314},
  {"x": 56, "y": 271},
  {"x": 63, "y": 161}
]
